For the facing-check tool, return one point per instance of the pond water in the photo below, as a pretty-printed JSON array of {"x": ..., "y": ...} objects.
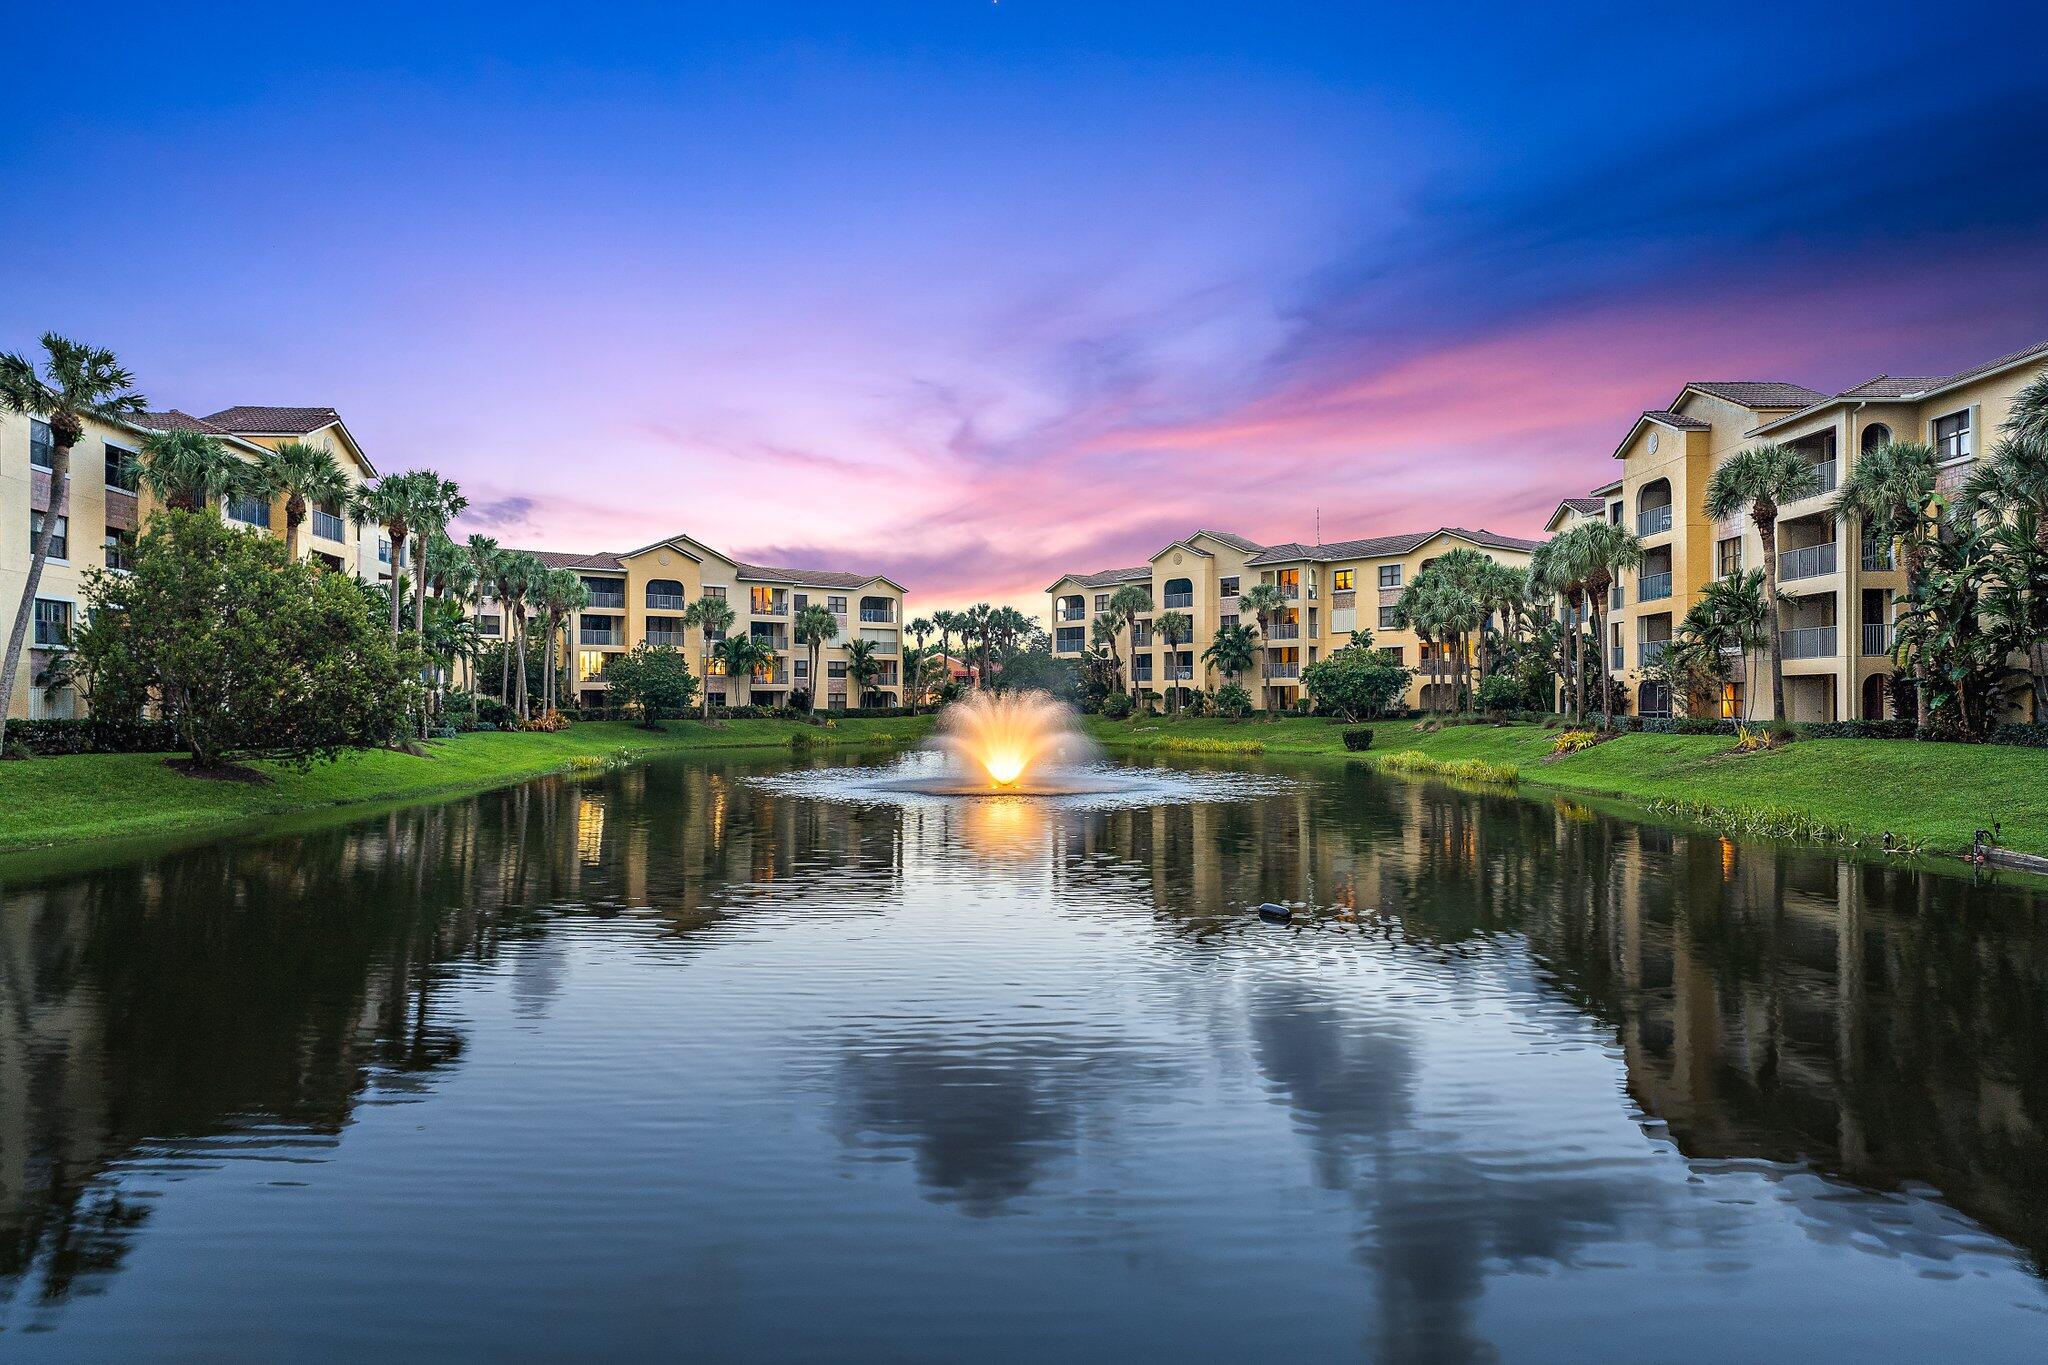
[{"x": 695, "y": 1060}]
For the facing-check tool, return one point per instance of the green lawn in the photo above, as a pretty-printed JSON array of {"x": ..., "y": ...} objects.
[
  {"x": 1933, "y": 794},
  {"x": 51, "y": 801}
]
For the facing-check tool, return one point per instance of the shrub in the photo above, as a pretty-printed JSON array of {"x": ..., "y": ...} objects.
[
  {"x": 547, "y": 722},
  {"x": 1357, "y": 739},
  {"x": 1574, "y": 741},
  {"x": 1118, "y": 706},
  {"x": 1751, "y": 739},
  {"x": 1232, "y": 700},
  {"x": 2026, "y": 736},
  {"x": 1466, "y": 769},
  {"x": 92, "y": 735},
  {"x": 1500, "y": 693}
]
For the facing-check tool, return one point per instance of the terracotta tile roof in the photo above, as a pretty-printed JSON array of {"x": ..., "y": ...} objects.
[
  {"x": 1908, "y": 386},
  {"x": 1382, "y": 547},
  {"x": 802, "y": 578},
  {"x": 2039, "y": 349},
  {"x": 1891, "y": 386},
  {"x": 1759, "y": 393},
  {"x": 174, "y": 420},
  {"x": 1588, "y": 506},
  {"x": 1678, "y": 419},
  {"x": 274, "y": 421},
  {"x": 1235, "y": 542},
  {"x": 570, "y": 559},
  {"x": 1108, "y": 578}
]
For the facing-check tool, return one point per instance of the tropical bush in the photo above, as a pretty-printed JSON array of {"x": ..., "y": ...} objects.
[
  {"x": 244, "y": 650},
  {"x": 1358, "y": 739},
  {"x": 654, "y": 681},
  {"x": 1233, "y": 701},
  {"x": 1355, "y": 682},
  {"x": 1573, "y": 741},
  {"x": 1118, "y": 706}
]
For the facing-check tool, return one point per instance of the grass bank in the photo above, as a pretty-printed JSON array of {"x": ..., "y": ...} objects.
[
  {"x": 56, "y": 801},
  {"x": 1846, "y": 790}
]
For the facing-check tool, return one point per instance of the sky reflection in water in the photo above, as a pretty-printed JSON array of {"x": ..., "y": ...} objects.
[{"x": 694, "y": 1058}]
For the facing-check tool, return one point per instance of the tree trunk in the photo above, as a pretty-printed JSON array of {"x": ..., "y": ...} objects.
[
  {"x": 397, "y": 553},
  {"x": 704, "y": 668},
  {"x": 1606, "y": 685},
  {"x": 1766, "y": 517},
  {"x": 1909, "y": 555},
  {"x": 294, "y": 517},
  {"x": 39, "y": 555}
]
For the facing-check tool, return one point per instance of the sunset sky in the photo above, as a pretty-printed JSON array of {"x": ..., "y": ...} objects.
[{"x": 976, "y": 293}]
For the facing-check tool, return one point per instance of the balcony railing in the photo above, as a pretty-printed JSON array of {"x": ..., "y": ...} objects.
[
  {"x": 328, "y": 526},
  {"x": 1141, "y": 675},
  {"x": 1807, "y": 642},
  {"x": 1877, "y": 637},
  {"x": 587, "y": 636},
  {"x": 1179, "y": 599},
  {"x": 1654, "y": 521},
  {"x": 666, "y": 601},
  {"x": 1811, "y": 562},
  {"x": 1826, "y": 470},
  {"x": 1651, "y": 587},
  {"x": 1879, "y": 557},
  {"x": 1072, "y": 614},
  {"x": 1283, "y": 670},
  {"x": 668, "y": 639},
  {"x": 1284, "y": 630},
  {"x": 614, "y": 601},
  {"x": 1652, "y": 652},
  {"x": 877, "y": 615}
]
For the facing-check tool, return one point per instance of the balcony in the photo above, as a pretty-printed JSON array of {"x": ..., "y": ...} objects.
[
  {"x": 1184, "y": 673},
  {"x": 877, "y": 615},
  {"x": 1654, "y": 522},
  {"x": 608, "y": 601},
  {"x": 1879, "y": 557},
  {"x": 1826, "y": 470},
  {"x": 1807, "y": 642},
  {"x": 592, "y": 635},
  {"x": 1811, "y": 562},
  {"x": 327, "y": 526},
  {"x": 668, "y": 639},
  {"x": 1652, "y": 587},
  {"x": 1652, "y": 652},
  {"x": 1284, "y": 630},
  {"x": 1283, "y": 670},
  {"x": 1877, "y": 638},
  {"x": 1072, "y": 614},
  {"x": 1179, "y": 600},
  {"x": 666, "y": 601}
]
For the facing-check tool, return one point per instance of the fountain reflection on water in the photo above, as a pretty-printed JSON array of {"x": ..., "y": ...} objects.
[{"x": 1021, "y": 743}]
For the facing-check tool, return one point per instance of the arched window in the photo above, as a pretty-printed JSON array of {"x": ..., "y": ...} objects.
[
  {"x": 1875, "y": 435},
  {"x": 1180, "y": 592},
  {"x": 1653, "y": 508},
  {"x": 665, "y": 594}
]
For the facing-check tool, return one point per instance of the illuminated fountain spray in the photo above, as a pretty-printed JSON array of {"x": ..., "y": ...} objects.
[{"x": 1018, "y": 741}]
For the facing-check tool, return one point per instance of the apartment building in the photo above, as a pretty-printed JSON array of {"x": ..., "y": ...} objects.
[
  {"x": 641, "y": 595},
  {"x": 1330, "y": 590},
  {"x": 1839, "y": 585},
  {"x": 101, "y": 508}
]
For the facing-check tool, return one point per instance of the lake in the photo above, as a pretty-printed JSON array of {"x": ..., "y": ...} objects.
[{"x": 704, "y": 1059}]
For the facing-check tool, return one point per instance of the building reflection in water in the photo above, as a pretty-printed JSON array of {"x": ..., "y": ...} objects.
[{"x": 1880, "y": 1026}]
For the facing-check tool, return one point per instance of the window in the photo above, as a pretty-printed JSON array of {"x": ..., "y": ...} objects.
[
  {"x": 120, "y": 548},
  {"x": 60, "y": 542},
  {"x": 1390, "y": 618},
  {"x": 590, "y": 663},
  {"x": 1875, "y": 435},
  {"x": 1227, "y": 622},
  {"x": 800, "y": 669},
  {"x": 254, "y": 511},
  {"x": 1227, "y": 587},
  {"x": 1101, "y": 603},
  {"x": 1392, "y": 654},
  {"x": 120, "y": 468},
  {"x": 41, "y": 448},
  {"x": 53, "y": 623},
  {"x": 718, "y": 593},
  {"x": 836, "y": 605},
  {"x": 799, "y": 601},
  {"x": 383, "y": 550},
  {"x": 490, "y": 623},
  {"x": 1390, "y": 576},
  {"x": 835, "y": 668},
  {"x": 1952, "y": 437},
  {"x": 1728, "y": 557},
  {"x": 1343, "y": 580}
]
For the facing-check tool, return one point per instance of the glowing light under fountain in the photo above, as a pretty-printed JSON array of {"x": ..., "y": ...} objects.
[{"x": 1022, "y": 743}]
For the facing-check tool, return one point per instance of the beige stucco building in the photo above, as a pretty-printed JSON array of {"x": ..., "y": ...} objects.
[
  {"x": 641, "y": 595},
  {"x": 1331, "y": 590},
  {"x": 101, "y": 509},
  {"x": 1839, "y": 588}
]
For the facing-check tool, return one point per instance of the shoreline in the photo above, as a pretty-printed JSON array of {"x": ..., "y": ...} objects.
[{"x": 53, "y": 804}]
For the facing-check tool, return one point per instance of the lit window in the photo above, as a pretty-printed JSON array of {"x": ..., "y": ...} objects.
[{"x": 1343, "y": 580}]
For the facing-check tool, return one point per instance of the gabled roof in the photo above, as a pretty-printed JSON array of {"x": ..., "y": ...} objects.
[
  {"x": 575, "y": 559},
  {"x": 1382, "y": 547},
  {"x": 173, "y": 420},
  {"x": 1678, "y": 419},
  {"x": 1757, "y": 393},
  {"x": 1908, "y": 388},
  {"x": 810, "y": 578},
  {"x": 1584, "y": 507},
  {"x": 263, "y": 421},
  {"x": 1235, "y": 542}
]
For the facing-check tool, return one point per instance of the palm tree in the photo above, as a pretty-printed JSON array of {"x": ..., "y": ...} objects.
[
  {"x": 1737, "y": 605},
  {"x": 525, "y": 577},
  {"x": 814, "y": 628},
  {"x": 974, "y": 625},
  {"x": 862, "y": 667},
  {"x": 920, "y": 629},
  {"x": 1760, "y": 480},
  {"x": 302, "y": 475},
  {"x": 1419, "y": 610},
  {"x": 435, "y": 502},
  {"x": 2029, "y": 415},
  {"x": 1233, "y": 650},
  {"x": 562, "y": 594},
  {"x": 1606, "y": 549},
  {"x": 76, "y": 382},
  {"x": 712, "y": 616},
  {"x": 1546, "y": 563},
  {"x": 189, "y": 470},
  {"x": 1126, "y": 605},
  {"x": 507, "y": 566},
  {"x": 1175, "y": 629},
  {"x": 483, "y": 559},
  {"x": 393, "y": 504},
  {"x": 946, "y": 623},
  {"x": 740, "y": 654},
  {"x": 1890, "y": 490},
  {"x": 2011, "y": 489},
  {"x": 453, "y": 576}
]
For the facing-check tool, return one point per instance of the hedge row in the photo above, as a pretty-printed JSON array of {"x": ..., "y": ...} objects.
[{"x": 90, "y": 735}]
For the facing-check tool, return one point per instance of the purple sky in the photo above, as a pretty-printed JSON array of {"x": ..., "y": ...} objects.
[{"x": 974, "y": 294}]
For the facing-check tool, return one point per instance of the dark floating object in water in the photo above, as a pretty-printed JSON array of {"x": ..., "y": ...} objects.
[{"x": 1277, "y": 913}]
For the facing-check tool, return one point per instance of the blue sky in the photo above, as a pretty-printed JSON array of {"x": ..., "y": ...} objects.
[{"x": 975, "y": 293}]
